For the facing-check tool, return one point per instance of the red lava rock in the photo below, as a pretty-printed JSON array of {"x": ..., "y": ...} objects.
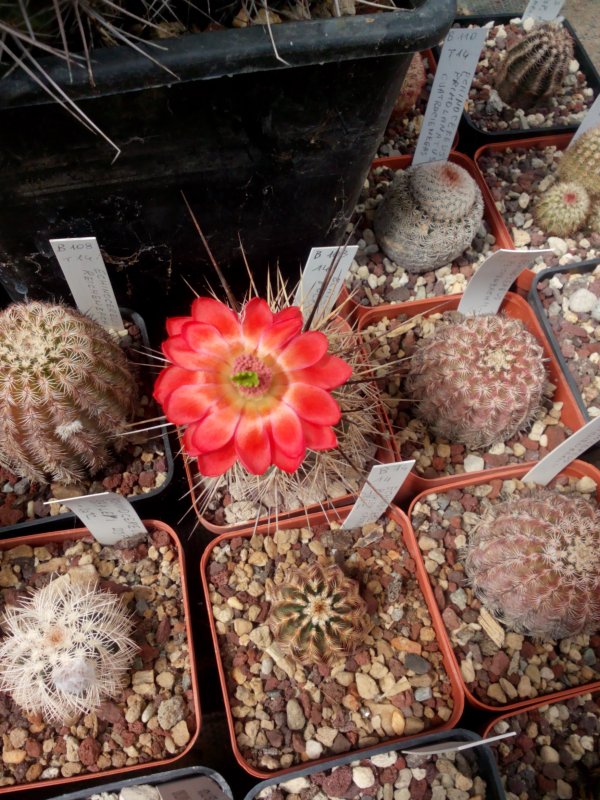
[
  {"x": 89, "y": 750},
  {"x": 499, "y": 664},
  {"x": 556, "y": 435},
  {"x": 418, "y": 789},
  {"x": 451, "y": 619},
  {"x": 33, "y": 748},
  {"x": 163, "y": 631},
  {"x": 338, "y": 783},
  {"x": 160, "y": 538},
  {"x": 147, "y": 479},
  {"x": 109, "y": 712}
]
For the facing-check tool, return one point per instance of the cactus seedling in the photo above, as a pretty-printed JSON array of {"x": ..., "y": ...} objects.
[
  {"x": 533, "y": 562},
  {"x": 478, "y": 380},
  {"x": 317, "y": 614},
  {"x": 65, "y": 389},
  {"x": 563, "y": 209},
  {"x": 535, "y": 67},
  {"x": 580, "y": 163},
  {"x": 429, "y": 215}
]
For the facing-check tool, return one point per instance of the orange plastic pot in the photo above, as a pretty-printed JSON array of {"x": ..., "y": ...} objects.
[
  {"x": 40, "y": 539},
  {"x": 513, "y": 306},
  {"x": 577, "y": 469},
  {"x": 525, "y": 279},
  {"x": 313, "y": 520},
  {"x": 349, "y": 308}
]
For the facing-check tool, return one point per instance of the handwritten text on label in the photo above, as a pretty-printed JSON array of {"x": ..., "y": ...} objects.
[
  {"x": 315, "y": 272},
  {"x": 381, "y": 487},
  {"x": 560, "y": 457},
  {"x": 543, "y": 9},
  {"x": 109, "y": 517}
]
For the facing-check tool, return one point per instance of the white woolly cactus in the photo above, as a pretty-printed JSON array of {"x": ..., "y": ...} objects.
[
  {"x": 429, "y": 215},
  {"x": 66, "y": 649}
]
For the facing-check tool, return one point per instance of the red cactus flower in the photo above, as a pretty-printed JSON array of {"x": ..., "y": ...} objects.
[{"x": 251, "y": 387}]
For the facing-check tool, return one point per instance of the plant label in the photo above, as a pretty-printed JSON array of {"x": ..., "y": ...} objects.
[
  {"x": 108, "y": 516},
  {"x": 200, "y": 788},
  {"x": 543, "y": 9},
  {"x": 486, "y": 289},
  {"x": 561, "y": 456},
  {"x": 591, "y": 119},
  {"x": 83, "y": 266},
  {"x": 380, "y": 488},
  {"x": 317, "y": 266},
  {"x": 453, "y": 78},
  {"x": 453, "y": 746}
]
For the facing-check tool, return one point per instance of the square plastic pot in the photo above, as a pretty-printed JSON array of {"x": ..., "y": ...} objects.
[
  {"x": 578, "y": 469},
  {"x": 41, "y": 539},
  {"x": 313, "y": 520},
  {"x": 515, "y": 307}
]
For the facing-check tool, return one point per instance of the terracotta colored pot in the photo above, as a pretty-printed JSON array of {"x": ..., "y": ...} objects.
[
  {"x": 41, "y": 539},
  {"x": 313, "y": 520},
  {"x": 513, "y": 306},
  {"x": 577, "y": 469}
]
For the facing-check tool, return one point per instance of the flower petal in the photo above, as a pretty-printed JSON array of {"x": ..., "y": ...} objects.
[
  {"x": 175, "y": 324},
  {"x": 215, "y": 430},
  {"x": 319, "y": 437},
  {"x": 252, "y": 444},
  {"x": 213, "y": 312},
  {"x": 170, "y": 379},
  {"x": 327, "y": 373},
  {"x": 257, "y": 318},
  {"x": 304, "y": 351},
  {"x": 313, "y": 404},
  {"x": 283, "y": 461},
  {"x": 285, "y": 327},
  {"x": 189, "y": 403},
  {"x": 205, "y": 339},
  {"x": 218, "y": 462},
  {"x": 181, "y": 354},
  {"x": 286, "y": 431}
]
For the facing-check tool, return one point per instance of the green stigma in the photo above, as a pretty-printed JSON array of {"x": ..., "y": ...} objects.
[{"x": 248, "y": 378}]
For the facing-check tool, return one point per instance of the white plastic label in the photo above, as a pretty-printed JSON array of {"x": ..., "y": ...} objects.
[
  {"x": 591, "y": 119},
  {"x": 84, "y": 268},
  {"x": 543, "y": 9},
  {"x": 453, "y": 746},
  {"x": 381, "y": 487},
  {"x": 561, "y": 456},
  {"x": 108, "y": 516},
  {"x": 486, "y": 289},
  {"x": 315, "y": 272},
  {"x": 453, "y": 78},
  {"x": 200, "y": 788}
]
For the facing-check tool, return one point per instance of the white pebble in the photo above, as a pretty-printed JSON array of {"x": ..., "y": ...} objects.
[
  {"x": 295, "y": 785},
  {"x": 573, "y": 66},
  {"x": 314, "y": 749},
  {"x": 384, "y": 760},
  {"x": 557, "y": 244},
  {"x": 363, "y": 777},
  {"x": 473, "y": 463},
  {"x": 528, "y": 24},
  {"x": 582, "y": 301}
]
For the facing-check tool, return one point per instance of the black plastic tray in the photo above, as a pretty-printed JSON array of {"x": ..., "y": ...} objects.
[
  {"x": 68, "y": 518},
  {"x": 536, "y": 303},
  {"x": 155, "y": 778},
  {"x": 475, "y": 137},
  {"x": 487, "y": 763}
]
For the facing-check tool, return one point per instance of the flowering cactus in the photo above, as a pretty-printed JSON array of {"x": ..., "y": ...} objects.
[
  {"x": 317, "y": 614},
  {"x": 251, "y": 386},
  {"x": 533, "y": 562},
  {"x": 65, "y": 650}
]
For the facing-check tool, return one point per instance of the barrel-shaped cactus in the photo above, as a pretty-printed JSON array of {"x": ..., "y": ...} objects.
[
  {"x": 580, "y": 163},
  {"x": 478, "y": 380},
  {"x": 533, "y": 562},
  {"x": 412, "y": 87},
  {"x": 535, "y": 67},
  {"x": 429, "y": 215},
  {"x": 65, "y": 390},
  {"x": 563, "y": 209}
]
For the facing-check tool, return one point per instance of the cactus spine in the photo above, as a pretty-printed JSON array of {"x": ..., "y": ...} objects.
[{"x": 563, "y": 209}]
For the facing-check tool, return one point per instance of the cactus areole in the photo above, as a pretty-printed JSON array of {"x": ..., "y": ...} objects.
[{"x": 250, "y": 387}]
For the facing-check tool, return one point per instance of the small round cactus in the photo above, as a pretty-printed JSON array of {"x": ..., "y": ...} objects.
[
  {"x": 535, "y": 67},
  {"x": 580, "y": 163},
  {"x": 317, "y": 614},
  {"x": 65, "y": 390},
  {"x": 478, "y": 380},
  {"x": 533, "y": 562},
  {"x": 65, "y": 650},
  {"x": 429, "y": 215},
  {"x": 563, "y": 209},
  {"x": 412, "y": 87}
]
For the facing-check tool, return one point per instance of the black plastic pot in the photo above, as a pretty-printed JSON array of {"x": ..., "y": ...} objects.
[
  {"x": 486, "y": 762},
  {"x": 277, "y": 154},
  {"x": 472, "y": 137},
  {"x": 68, "y": 519}
]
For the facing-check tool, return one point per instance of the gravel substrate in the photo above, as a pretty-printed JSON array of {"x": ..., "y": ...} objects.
[
  {"x": 556, "y": 753},
  {"x": 489, "y": 113},
  {"x": 498, "y": 667},
  {"x": 138, "y": 468},
  {"x": 389, "y": 775},
  {"x": 373, "y": 279},
  {"x": 286, "y": 714},
  {"x": 435, "y": 456},
  {"x": 517, "y": 176},
  {"x": 153, "y": 716},
  {"x": 571, "y": 301}
]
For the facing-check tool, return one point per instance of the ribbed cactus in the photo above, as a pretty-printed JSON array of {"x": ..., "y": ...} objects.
[
  {"x": 65, "y": 390},
  {"x": 533, "y": 562},
  {"x": 580, "y": 163},
  {"x": 429, "y": 215},
  {"x": 563, "y": 209},
  {"x": 317, "y": 614},
  {"x": 535, "y": 67},
  {"x": 477, "y": 381},
  {"x": 412, "y": 87}
]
